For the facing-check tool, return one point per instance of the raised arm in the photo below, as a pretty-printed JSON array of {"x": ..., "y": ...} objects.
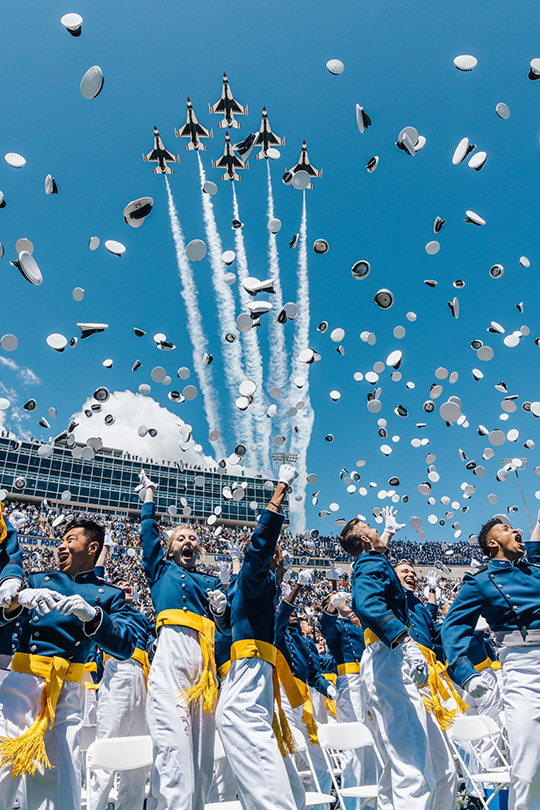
[
  {"x": 391, "y": 526},
  {"x": 152, "y": 553},
  {"x": 533, "y": 545},
  {"x": 458, "y": 628},
  {"x": 370, "y": 605},
  {"x": 11, "y": 562}
]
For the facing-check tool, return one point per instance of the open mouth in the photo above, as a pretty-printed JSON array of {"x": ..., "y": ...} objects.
[
  {"x": 188, "y": 553},
  {"x": 63, "y": 558}
]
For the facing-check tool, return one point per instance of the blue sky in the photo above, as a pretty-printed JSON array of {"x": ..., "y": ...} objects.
[{"x": 399, "y": 66}]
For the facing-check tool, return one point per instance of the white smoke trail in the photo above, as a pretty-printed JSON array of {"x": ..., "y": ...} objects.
[
  {"x": 278, "y": 349},
  {"x": 252, "y": 353},
  {"x": 232, "y": 352},
  {"x": 197, "y": 336},
  {"x": 304, "y": 418}
]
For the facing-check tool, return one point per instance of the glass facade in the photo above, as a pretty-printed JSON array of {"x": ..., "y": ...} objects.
[{"x": 109, "y": 480}]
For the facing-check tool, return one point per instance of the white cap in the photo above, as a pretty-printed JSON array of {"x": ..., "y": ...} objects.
[
  {"x": 28, "y": 267},
  {"x": 335, "y": 66},
  {"x": 116, "y": 248},
  {"x": 15, "y": 160},
  {"x": 196, "y": 250},
  {"x": 72, "y": 23},
  {"x": 92, "y": 82},
  {"x": 465, "y": 62}
]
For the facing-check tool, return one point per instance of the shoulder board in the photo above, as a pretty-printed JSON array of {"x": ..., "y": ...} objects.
[
  {"x": 47, "y": 572},
  {"x": 478, "y": 570}
]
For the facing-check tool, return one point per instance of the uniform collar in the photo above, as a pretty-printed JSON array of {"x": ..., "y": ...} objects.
[
  {"x": 83, "y": 576},
  {"x": 500, "y": 564}
]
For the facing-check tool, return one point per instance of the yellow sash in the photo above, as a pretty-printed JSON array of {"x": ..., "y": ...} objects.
[
  {"x": 331, "y": 677},
  {"x": 139, "y": 655},
  {"x": 3, "y": 527},
  {"x": 441, "y": 687},
  {"x": 487, "y": 664},
  {"x": 369, "y": 637},
  {"x": 281, "y": 674},
  {"x": 224, "y": 669},
  {"x": 206, "y": 690},
  {"x": 307, "y": 715},
  {"x": 349, "y": 668},
  {"x": 27, "y": 751}
]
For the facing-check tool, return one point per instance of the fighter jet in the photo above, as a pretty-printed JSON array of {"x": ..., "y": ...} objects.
[
  {"x": 266, "y": 138},
  {"x": 304, "y": 165},
  {"x": 160, "y": 156},
  {"x": 228, "y": 106},
  {"x": 193, "y": 130},
  {"x": 229, "y": 161}
]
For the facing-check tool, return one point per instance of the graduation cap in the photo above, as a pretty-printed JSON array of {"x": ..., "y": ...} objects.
[
  {"x": 92, "y": 82},
  {"x": 30, "y": 405},
  {"x": 360, "y": 269},
  {"x": 57, "y": 342},
  {"x": 136, "y": 211},
  {"x": 464, "y": 148},
  {"x": 372, "y": 164},
  {"x": 114, "y": 247},
  {"x": 28, "y": 267},
  {"x": 477, "y": 161},
  {"x": 15, "y": 160},
  {"x": 89, "y": 329},
  {"x": 384, "y": 298},
  {"x": 72, "y": 23},
  {"x": 473, "y": 219},
  {"x": 253, "y": 286},
  {"x": 294, "y": 241},
  {"x": 320, "y": 246},
  {"x": 497, "y": 271},
  {"x": 437, "y": 225},
  {"x": 534, "y": 72},
  {"x": 335, "y": 66},
  {"x": 50, "y": 185},
  {"x": 244, "y": 147},
  {"x": 209, "y": 187},
  {"x": 362, "y": 118},
  {"x": 465, "y": 62}
]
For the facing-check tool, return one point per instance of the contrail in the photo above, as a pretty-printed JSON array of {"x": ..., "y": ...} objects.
[
  {"x": 232, "y": 352},
  {"x": 304, "y": 418},
  {"x": 278, "y": 350},
  {"x": 198, "y": 338},
  {"x": 252, "y": 353}
]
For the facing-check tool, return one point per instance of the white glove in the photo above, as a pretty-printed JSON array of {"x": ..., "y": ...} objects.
[
  {"x": 477, "y": 686},
  {"x": 331, "y": 692},
  {"x": 304, "y": 577},
  {"x": 285, "y": 589},
  {"x": 218, "y": 602},
  {"x": 42, "y": 600},
  {"x": 18, "y": 520},
  {"x": 331, "y": 573},
  {"x": 235, "y": 549},
  {"x": 339, "y": 598},
  {"x": 8, "y": 589},
  {"x": 76, "y": 605},
  {"x": 418, "y": 668},
  {"x": 145, "y": 482},
  {"x": 390, "y": 523},
  {"x": 432, "y": 579},
  {"x": 287, "y": 474},
  {"x": 108, "y": 542},
  {"x": 287, "y": 559},
  {"x": 224, "y": 573}
]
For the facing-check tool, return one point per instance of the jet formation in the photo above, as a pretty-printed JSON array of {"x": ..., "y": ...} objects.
[{"x": 234, "y": 156}]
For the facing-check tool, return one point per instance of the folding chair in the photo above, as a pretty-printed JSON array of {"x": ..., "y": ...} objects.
[
  {"x": 465, "y": 731},
  {"x": 344, "y": 737},
  {"x": 117, "y": 754},
  {"x": 313, "y": 797}
]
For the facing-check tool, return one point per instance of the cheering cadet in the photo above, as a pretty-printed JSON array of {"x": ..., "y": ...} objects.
[
  {"x": 506, "y": 592},
  {"x": 62, "y": 613},
  {"x": 392, "y": 669},
  {"x": 246, "y": 720},
  {"x": 182, "y": 686}
]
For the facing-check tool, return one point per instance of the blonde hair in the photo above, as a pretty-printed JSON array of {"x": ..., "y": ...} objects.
[{"x": 174, "y": 534}]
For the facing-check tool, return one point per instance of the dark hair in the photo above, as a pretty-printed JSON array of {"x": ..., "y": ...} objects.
[
  {"x": 404, "y": 561},
  {"x": 94, "y": 533},
  {"x": 483, "y": 535},
  {"x": 350, "y": 539}
]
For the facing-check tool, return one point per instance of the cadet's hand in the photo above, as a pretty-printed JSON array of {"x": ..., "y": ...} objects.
[
  {"x": 218, "y": 602},
  {"x": 145, "y": 482},
  {"x": 77, "y": 606},
  {"x": 339, "y": 598},
  {"x": 108, "y": 541},
  {"x": 8, "y": 589},
  {"x": 287, "y": 558},
  {"x": 418, "y": 667},
  {"x": 390, "y": 523},
  {"x": 304, "y": 577},
  {"x": 432, "y": 579},
  {"x": 331, "y": 692},
  {"x": 331, "y": 573},
  {"x": 287, "y": 474},
  {"x": 235, "y": 549},
  {"x": 477, "y": 686},
  {"x": 224, "y": 573},
  {"x": 42, "y": 600}
]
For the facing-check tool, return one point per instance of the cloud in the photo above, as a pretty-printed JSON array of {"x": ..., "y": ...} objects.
[
  {"x": 26, "y": 375},
  {"x": 172, "y": 443}
]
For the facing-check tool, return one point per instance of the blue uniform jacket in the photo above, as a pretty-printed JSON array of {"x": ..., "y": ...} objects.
[
  {"x": 8, "y": 638},
  {"x": 296, "y": 650},
  {"x": 506, "y": 594},
  {"x": 65, "y": 636},
  {"x": 254, "y": 592},
  {"x": 222, "y": 648},
  {"x": 378, "y": 597},
  {"x": 423, "y": 627},
  {"x": 344, "y": 638},
  {"x": 141, "y": 628},
  {"x": 171, "y": 585},
  {"x": 11, "y": 561}
]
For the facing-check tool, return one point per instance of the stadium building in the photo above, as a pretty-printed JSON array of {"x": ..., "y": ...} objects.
[{"x": 107, "y": 481}]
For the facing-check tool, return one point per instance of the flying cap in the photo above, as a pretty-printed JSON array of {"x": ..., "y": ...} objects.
[
  {"x": 477, "y": 161},
  {"x": 362, "y": 118},
  {"x": 372, "y": 164},
  {"x": 9, "y": 343},
  {"x": 57, "y": 342},
  {"x": 384, "y": 299},
  {"x": 534, "y": 72},
  {"x": 93, "y": 242},
  {"x": 92, "y": 82},
  {"x": 335, "y": 66},
  {"x": 437, "y": 225},
  {"x": 502, "y": 110},
  {"x": 361, "y": 269},
  {"x": 78, "y": 294},
  {"x": 136, "y": 211},
  {"x": 274, "y": 225},
  {"x": 196, "y": 250},
  {"x": 301, "y": 179},
  {"x": 114, "y": 247},
  {"x": 88, "y": 329},
  {"x": 50, "y": 185},
  {"x": 228, "y": 257},
  {"x": 320, "y": 246},
  {"x": 463, "y": 149},
  {"x": 28, "y": 266},
  {"x": 72, "y": 23},
  {"x": 465, "y": 62},
  {"x": 474, "y": 219},
  {"x": 209, "y": 187},
  {"x": 24, "y": 244},
  {"x": 496, "y": 271},
  {"x": 15, "y": 160}
]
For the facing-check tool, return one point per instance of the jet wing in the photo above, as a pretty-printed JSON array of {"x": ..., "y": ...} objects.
[
  {"x": 169, "y": 156},
  {"x": 203, "y": 132},
  {"x": 183, "y": 132},
  {"x": 236, "y": 107},
  {"x": 153, "y": 155},
  {"x": 218, "y": 107}
]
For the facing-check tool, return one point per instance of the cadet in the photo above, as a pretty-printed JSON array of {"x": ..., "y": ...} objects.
[
  {"x": 63, "y": 614},
  {"x": 506, "y": 592}
]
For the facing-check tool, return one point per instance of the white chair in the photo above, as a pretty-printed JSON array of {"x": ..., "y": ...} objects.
[
  {"x": 346, "y": 737},
  {"x": 465, "y": 731},
  {"x": 313, "y": 797},
  {"x": 117, "y": 754}
]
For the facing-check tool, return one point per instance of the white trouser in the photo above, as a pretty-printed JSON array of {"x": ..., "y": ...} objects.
[
  {"x": 183, "y": 736},
  {"x": 223, "y": 787},
  {"x": 244, "y": 720},
  {"x": 295, "y": 718},
  {"x": 320, "y": 712},
  {"x": 359, "y": 766},
  {"x": 399, "y": 729},
  {"x": 57, "y": 788},
  {"x": 490, "y": 704},
  {"x": 521, "y": 695},
  {"x": 445, "y": 791},
  {"x": 121, "y": 712}
]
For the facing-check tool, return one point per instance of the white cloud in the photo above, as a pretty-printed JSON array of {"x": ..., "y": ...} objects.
[
  {"x": 131, "y": 411},
  {"x": 26, "y": 375}
]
